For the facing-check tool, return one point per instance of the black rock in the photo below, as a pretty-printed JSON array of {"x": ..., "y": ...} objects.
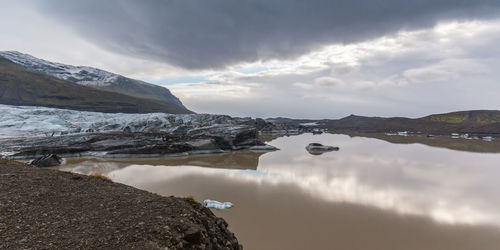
[
  {"x": 50, "y": 160},
  {"x": 193, "y": 235},
  {"x": 260, "y": 123}
]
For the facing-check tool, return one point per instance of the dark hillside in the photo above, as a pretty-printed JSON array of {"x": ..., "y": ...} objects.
[{"x": 19, "y": 86}]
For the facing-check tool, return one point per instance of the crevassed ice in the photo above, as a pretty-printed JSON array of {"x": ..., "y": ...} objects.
[{"x": 16, "y": 121}]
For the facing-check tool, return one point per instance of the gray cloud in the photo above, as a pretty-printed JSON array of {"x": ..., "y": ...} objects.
[
  {"x": 447, "y": 68},
  {"x": 326, "y": 81},
  {"x": 219, "y": 33}
]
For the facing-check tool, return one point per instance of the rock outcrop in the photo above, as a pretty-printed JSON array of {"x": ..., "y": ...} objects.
[
  {"x": 318, "y": 149},
  {"x": 50, "y": 160}
]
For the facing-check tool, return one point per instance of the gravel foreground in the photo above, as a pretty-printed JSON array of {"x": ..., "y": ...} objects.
[{"x": 42, "y": 208}]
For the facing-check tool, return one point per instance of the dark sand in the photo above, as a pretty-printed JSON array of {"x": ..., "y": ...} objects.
[{"x": 41, "y": 208}]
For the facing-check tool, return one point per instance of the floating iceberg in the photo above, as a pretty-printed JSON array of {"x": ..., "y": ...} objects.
[
  {"x": 487, "y": 138},
  {"x": 217, "y": 204},
  {"x": 317, "y": 148}
]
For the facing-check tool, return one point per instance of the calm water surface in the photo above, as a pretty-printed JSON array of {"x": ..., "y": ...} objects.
[{"x": 371, "y": 194}]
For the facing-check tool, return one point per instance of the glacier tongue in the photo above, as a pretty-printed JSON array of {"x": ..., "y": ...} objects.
[
  {"x": 24, "y": 121},
  {"x": 30, "y": 132}
]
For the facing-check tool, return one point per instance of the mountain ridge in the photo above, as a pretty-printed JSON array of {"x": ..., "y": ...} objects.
[
  {"x": 469, "y": 121},
  {"x": 21, "y": 86},
  {"x": 93, "y": 77}
]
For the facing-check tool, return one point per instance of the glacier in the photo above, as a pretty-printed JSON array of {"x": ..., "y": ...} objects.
[
  {"x": 28, "y": 132},
  {"x": 28, "y": 121}
]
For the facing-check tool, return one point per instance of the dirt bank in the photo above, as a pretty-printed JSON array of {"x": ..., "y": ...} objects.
[{"x": 41, "y": 208}]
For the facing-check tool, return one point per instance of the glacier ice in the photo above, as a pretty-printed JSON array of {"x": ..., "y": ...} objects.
[
  {"x": 217, "y": 204},
  {"x": 22, "y": 121}
]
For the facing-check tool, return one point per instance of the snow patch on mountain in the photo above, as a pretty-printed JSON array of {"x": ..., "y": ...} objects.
[{"x": 78, "y": 74}]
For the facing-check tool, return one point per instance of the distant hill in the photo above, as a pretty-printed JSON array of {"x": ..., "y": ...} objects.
[
  {"x": 474, "y": 121},
  {"x": 20, "y": 86},
  {"x": 464, "y": 118},
  {"x": 93, "y": 77}
]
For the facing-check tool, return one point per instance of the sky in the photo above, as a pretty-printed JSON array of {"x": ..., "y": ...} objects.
[{"x": 269, "y": 58}]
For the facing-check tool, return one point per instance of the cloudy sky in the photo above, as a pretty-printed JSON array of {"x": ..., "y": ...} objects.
[{"x": 267, "y": 58}]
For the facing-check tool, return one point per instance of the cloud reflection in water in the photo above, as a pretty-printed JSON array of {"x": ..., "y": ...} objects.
[{"x": 445, "y": 185}]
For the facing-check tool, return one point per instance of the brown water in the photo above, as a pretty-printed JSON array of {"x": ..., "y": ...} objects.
[{"x": 371, "y": 194}]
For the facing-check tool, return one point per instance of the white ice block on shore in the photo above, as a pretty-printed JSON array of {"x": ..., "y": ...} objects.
[{"x": 217, "y": 204}]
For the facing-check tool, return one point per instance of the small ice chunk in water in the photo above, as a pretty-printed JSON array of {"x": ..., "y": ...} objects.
[{"x": 217, "y": 204}]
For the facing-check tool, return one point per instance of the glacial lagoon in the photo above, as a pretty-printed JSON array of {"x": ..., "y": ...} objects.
[{"x": 371, "y": 194}]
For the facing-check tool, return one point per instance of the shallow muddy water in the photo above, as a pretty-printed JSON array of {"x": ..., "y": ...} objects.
[{"x": 371, "y": 194}]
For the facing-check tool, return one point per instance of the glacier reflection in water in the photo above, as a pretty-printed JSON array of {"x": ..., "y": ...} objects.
[{"x": 450, "y": 192}]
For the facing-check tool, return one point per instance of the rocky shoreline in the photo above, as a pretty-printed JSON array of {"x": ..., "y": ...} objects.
[{"x": 43, "y": 208}]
